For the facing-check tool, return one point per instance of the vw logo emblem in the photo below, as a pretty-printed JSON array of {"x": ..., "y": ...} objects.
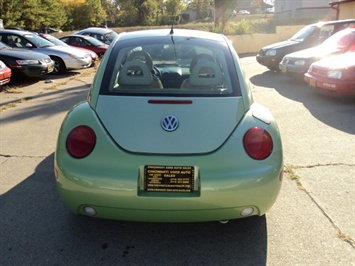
[{"x": 169, "y": 123}]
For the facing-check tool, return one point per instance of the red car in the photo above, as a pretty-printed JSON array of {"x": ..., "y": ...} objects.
[
  {"x": 5, "y": 74},
  {"x": 87, "y": 42},
  {"x": 333, "y": 75}
]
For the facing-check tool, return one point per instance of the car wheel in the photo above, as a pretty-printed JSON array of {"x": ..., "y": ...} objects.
[
  {"x": 59, "y": 66},
  {"x": 274, "y": 68}
]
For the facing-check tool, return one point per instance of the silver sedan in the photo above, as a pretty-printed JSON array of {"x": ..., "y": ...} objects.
[{"x": 65, "y": 58}]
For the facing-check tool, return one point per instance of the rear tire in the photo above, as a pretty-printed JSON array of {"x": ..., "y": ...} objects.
[
  {"x": 59, "y": 66},
  {"x": 274, "y": 68}
]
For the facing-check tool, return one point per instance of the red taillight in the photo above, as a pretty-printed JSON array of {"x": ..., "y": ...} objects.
[
  {"x": 81, "y": 141},
  {"x": 258, "y": 143}
]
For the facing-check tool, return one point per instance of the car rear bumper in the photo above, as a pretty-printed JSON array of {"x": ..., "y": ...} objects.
[
  {"x": 220, "y": 197},
  {"x": 331, "y": 86}
]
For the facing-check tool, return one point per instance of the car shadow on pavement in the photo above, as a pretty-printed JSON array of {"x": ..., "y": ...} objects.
[
  {"x": 67, "y": 97},
  {"x": 23, "y": 81},
  {"x": 37, "y": 229},
  {"x": 334, "y": 111}
]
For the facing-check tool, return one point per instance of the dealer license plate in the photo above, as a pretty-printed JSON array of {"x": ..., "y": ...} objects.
[
  {"x": 312, "y": 82},
  {"x": 283, "y": 69},
  {"x": 159, "y": 178},
  {"x": 50, "y": 68}
]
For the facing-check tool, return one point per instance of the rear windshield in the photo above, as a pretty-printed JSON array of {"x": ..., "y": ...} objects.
[{"x": 171, "y": 66}]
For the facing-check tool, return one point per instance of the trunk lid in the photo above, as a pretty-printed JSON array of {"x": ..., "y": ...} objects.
[{"x": 135, "y": 123}]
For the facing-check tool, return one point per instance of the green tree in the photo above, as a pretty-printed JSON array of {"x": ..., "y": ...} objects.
[
  {"x": 10, "y": 12},
  {"x": 171, "y": 9},
  {"x": 138, "y": 12},
  {"x": 32, "y": 14},
  {"x": 85, "y": 14},
  {"x": 202, "y": 7},
  {"x": 223, "y": 11},
  {"x": 112, "y": 12}
]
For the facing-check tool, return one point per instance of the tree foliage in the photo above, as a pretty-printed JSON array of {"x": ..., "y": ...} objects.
[
  {"x": 202, "y": 7},
  {"x": 77, "y": 14},
  {"x": 32, "y": 14},
  {"x": 223, "y": 11},
  {"x": 138, "y": 12}
]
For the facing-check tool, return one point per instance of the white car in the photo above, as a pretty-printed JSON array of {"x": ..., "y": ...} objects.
[
  {"x": 244, "y": 12},
  {"x": 65, "y": 58}
]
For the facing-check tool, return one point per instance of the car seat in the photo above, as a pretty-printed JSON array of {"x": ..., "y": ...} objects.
[
  {"x": 137, "y": 72},
  {"x": 204, "y": 73}
]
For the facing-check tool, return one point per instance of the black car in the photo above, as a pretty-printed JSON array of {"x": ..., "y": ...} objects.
[
  {"x": 24, "y": 62},
  {"x": 309, "y": 36}
]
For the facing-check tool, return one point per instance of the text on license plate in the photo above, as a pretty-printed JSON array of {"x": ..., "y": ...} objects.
[{"x": 159, "y": 178}]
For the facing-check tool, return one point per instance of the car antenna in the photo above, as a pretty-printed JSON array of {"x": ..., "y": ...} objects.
[
  {"x": 172, "y": 35},
  {"x": 172, "y": 28}
]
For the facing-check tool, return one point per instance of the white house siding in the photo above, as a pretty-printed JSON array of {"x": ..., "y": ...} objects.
[{"x": 304, "y": 9}]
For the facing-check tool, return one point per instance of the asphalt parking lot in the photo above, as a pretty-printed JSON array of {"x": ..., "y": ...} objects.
[{"x": 312, "y": 222}]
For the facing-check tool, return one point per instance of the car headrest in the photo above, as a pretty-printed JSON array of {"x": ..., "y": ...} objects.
[
  {"x": 135, "y": 73},
  {"x": 206, "y": 73}
]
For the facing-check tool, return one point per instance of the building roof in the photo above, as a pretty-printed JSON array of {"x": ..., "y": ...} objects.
[{"x": 333, "y": 3}]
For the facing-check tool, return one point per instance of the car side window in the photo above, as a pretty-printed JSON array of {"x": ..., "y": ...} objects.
[
  {"x": 13, "y": 41},
  {"x": 86, "y": 43},
  {"x": 77, "y": 41},
  {"x": 325, "y": 32},
  {"x": 65, "y": 39}
]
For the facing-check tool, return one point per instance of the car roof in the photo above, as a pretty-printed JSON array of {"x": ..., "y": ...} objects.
[
  {"x": 19, "y": 32},
  {"x": 96, "y": 30},
  {"x": 77, "y": 35},
  {"x": 176, "y": 32},
  {"x": 323, "y": 23}
]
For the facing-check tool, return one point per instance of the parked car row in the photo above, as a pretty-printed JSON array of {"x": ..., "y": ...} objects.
[
  {"x": 31, "y": 55},
  {"x": 309, "y": 36},
  {"x": 56, "y": 41},
  {"x": 300, "y": 56}
]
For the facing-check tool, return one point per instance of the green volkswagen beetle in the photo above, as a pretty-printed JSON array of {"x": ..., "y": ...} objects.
[{"x": 169, "y": 133}]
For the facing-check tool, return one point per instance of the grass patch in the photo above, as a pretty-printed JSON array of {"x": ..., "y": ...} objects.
[
  {"x": 7, "y": 106},
  {"x": 289, "y": 170},
  {"x": 12, "y": 90},
  {"x": 346, "y": 238}
]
